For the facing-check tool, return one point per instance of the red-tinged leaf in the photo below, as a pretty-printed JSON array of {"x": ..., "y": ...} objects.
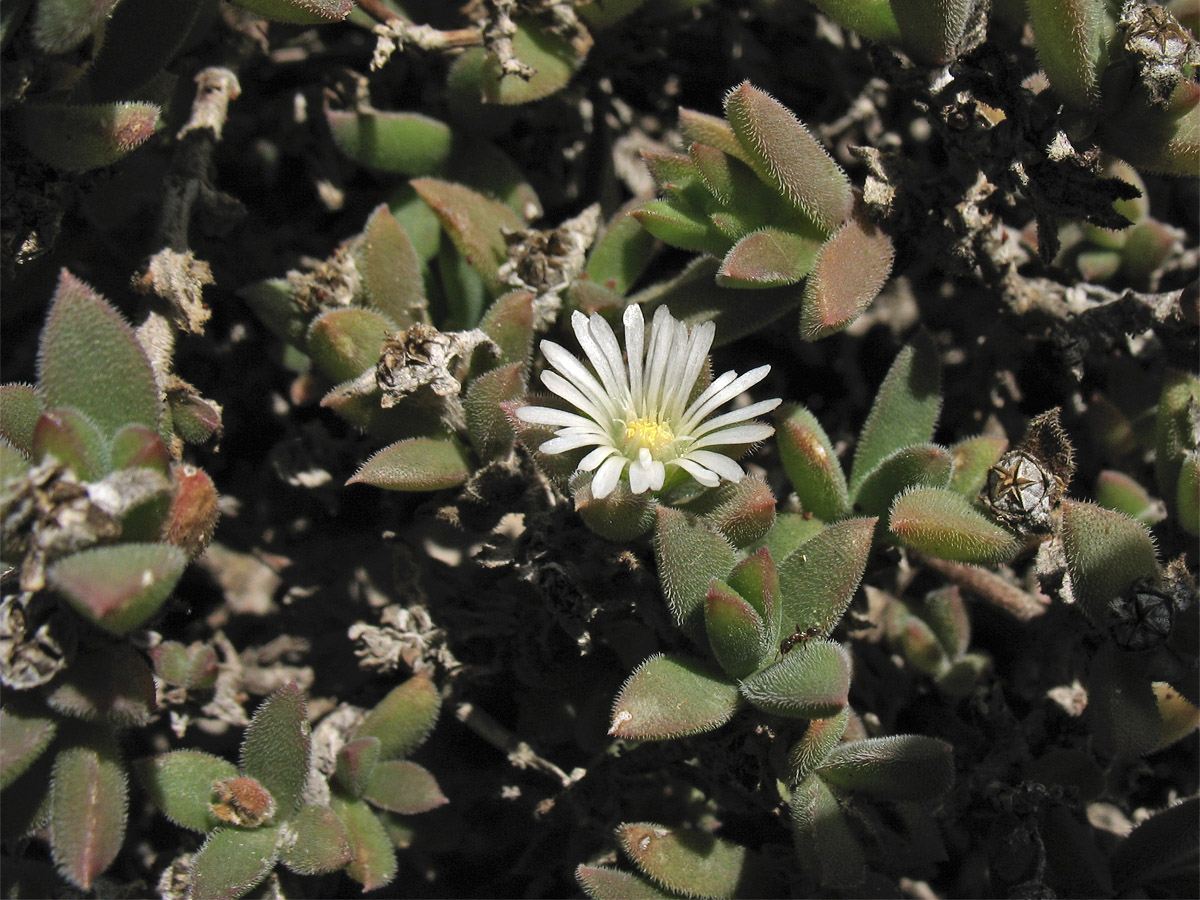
[
  {"x": 620, "y": 255},
  {"x": 417, "y": 464},
  {"x": 1106, "y": 553},
  {"x": 743, "y": 511},
  {"x": 817, "y": 580},
  {"x": 24, "y": 737},
  {"x": 786, "y": 154},
  {"x": 736, "y": 632},
  {"x": 824, "y": 841},
  {"x": 897, "y": 767},
  {"x": 136, "y": 446},
  {"x": 277, "y": 746},
  {"x": 88, "y": 808},
  {"x": 905, "y": 410},
  {"x": 119, "y": 587},
  {"x": 475, "y": 224},
  {"x": 818, "y": 741},
  {"x": 344, "y": 343},
  {"x": 672, "y": 696},
  {"x": 90, "y": 361},
  {"x": 73, "y": 440},
  {"x": 509, "y": 322},
  {"x": 688, "y": 861},
  {"x": 403, "y": 719},
  {"x": 193, "y": 516},
  {"x": 848, "y": 273},
  {"x": 404, "y": 143},
  {"x": 602, "y": 883},
  {"x": 114, "y": 686},
  {"x": 812, "y": 681},
  {"x": 811, "y": 464},
  {"x": 670, "y": 169},
  {"x": 20, "y": 407},
  {"x": 401, "y": 786},
  {"x": 756, "y": 580},
  {"x": 769, "y": 257},
  {"x": 701, "y": 128},
  {"x": 689, "y": 555},
  {"x": 181, "y": 785},
  {"x": 487, "y": 425},
  {"x": 972, "y": 458},
  {"x": 681, "y": 228},
  {"x": 374, "y": 861},
  {"x": 355, "y": 764},
  {"x": 316, "y": 841},
  {"x": 233, "y": 861},
  {"x": 551, "y": 57},
  {"x": 391, "y": 270},
  {"x": 927, "y": 465},
  {"x": 193, "y": 667},
  {"x": 620, "y": 516},
  {"x": 300, "y": 12},
  {"x": 945, "y": 524},
  {"x": 76, "y": 138}
]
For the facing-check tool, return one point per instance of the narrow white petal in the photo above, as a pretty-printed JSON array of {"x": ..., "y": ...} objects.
[
  {"x": 570, "y": 442},
  {"x": 603, "y": 334},
  {"x": 607, "y": 476},
  {"x": 601, "y": 361},
  {"x": 567, "y": 390},
  {"x": 658, "y": 475},
  {"x": 640, "y": 472},
  {"x": 593, "y": 459},
  {"x": 735, "y": 415},
  {"x": 677, "y": 366},
  {"x": 635, "y": 349},
  {"x": 544, "y": 415},
  {"x": 697, "y": 411},
  {"x": 738, "y": 434},
  {"x": 698, "y": 344},
  {"x": 718, "y": 384},
  {"x": 577, "y": 373},
  {"x": 661, "y": 331},
  {"x": 719, "y": 463},
  {"x": 697, "y": 471}
]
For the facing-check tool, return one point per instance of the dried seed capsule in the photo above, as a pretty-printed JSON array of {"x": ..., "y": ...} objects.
[
  {"x": 1143, "y": 618},
  {"x": 1021, "y": 494}
]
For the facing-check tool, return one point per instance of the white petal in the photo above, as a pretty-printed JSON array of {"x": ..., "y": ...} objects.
[
  {"x": 661, "y": 333},
  {"x": 696, "y": 355},
  {"x": 544, "y": 415},
  {"x": 603, "y": 333},
  {"x": 697, "y": 471},
  {"x": 572, "y": 395},
  {"x": 569, "y": 442},
  {"x": 718, "y": 384},
  {"x": 738, "y": 434},
  {"x": 607, "y": 476},
  {"x": 601, "y": 361},
  {"x": 719, "y": 463},
  {"x": 698, "y": 410},
  {"x": 578, "y": 375},
  {"x": 593, "y": 459},
  {"x": 735, "y": 415},
  {"x": 641, "y": 472},
  {"x": 635, "y": 349},
  {"x": 658, "y": 475}
]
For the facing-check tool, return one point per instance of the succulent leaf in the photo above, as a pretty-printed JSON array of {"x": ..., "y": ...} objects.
[
  {"x": 232, "y": 861},
  {"x": 756, "y": 580},
  {"x": 76, "y": 138},
  {"x": 509, "y": 323},
  {"x": 62, "y": 25},
  {"x": 415, "y": 464},
  {"x": 683, "y": 228},
  {"x": 299, "y": 12},
  {"x": 603, "y": 883},
  {"x": 73, "y": 440},
  {"x": 550, "y": 56},
  {"x": 689, "y": 862},
  {"x": 404, "y": 143},
  {"x": 849, "y": 271},
  {"x": 620, "y": 516},
  {"x": 1187, "y": 496},
  {"x": 713, "y": 131},
  {"x": 24, "y": 736},
  {"x": 181, "y": 785},
  {"x": 391, "y": 269},
  {"x": 113, "y": 686},
  {"x": 736, "y": 632},
  {"x": 824, "y": 840},
  {"x": 1106, "y": 553},
  {"x": 768, "y": 257},
  {"x": 1120, "y": 492},
  {"x": 137, "y": 446},
  {"x": 817, "y": 580},
  {"x": 811, "y": 464},
  {"x": 931, "y": 31},
  {"x": 689, "y": 555},
  {"x": 139, "y": 41},
  {"x": 742, "y": 511},
  {"x": 621, "y": 253},
  {"x": 404, "y": 718},
  {"x": 344, "y": 343},
  {"x": 1072, "y": 39},
  {"x": 402, "y": 786},
  {"x": 374, "y": 862},
  {"x": 20, "y": 407},
  {"x": 926, "y": 465},
  {"x": 315, "y": 841},
  {"x": 1174, "y": 432},
  {"x": 945, "y": 524},
  {"x": 672, "y": 696},
  {"x": 118, "y": 587},
  {"x": 905, "y": 410},
  {"x": 276, "y": 747},
  {"x": 972, "y": 458},
  {"x": 818, "y": 741},
  {"x": 896, "y": 767},
  {"x": 812, "y": 681},
  {"x": 89, "y": 804},
  {"x": 90, "y": 361},
  {"x": 488, "y": 427},
  {"x": 355, "y": 764}
]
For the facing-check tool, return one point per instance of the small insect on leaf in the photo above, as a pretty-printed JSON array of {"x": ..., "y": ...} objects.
[{"x": 799, "y": 636}]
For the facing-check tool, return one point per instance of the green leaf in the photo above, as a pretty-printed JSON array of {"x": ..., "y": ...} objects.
[
  {"x": 404, "y": 143},
  {"x": 818, "y": 741},
  {"x": 300, "y": 12},
  {"x": 489, "y": 170},
  {"x": 932, "y": 31},
  {"x": 20, "y": 407},
  {"x": 509, "y": 322},
  {"x": 905, "y": 410},
  {"x": 972, "y": 459},
  {"x": 672, "y": 696},
  {"x": 848, "y": 273},
  {"x": 1174, "y": 430},
  {"x": 713, "y": 131},
  {"x": 61, "y": 25},
  {"x": 756, "y": 580},
  {"x": 620, "y": 516},
  {"x": 181, "y": 784},
  {"x": 550, "y": 56},
  {"x": 897, "y": 767},
  {"x": 136, "y": 446},
  {"x": 24, "y": 737},
  {"x": 346, "y": 342},
  {"x": 790, "y": 531},
  {"x": 316, "y": 841},
  {"x": 416, "y": 464},
  {"x": 873, "y": 19},
  {"x": 276, "y": 746},
  {"x": 946, "y": 613},
  {"x": 13, "y": 463},
  {"x": 118, "y": 587},
  {"x": 768, "y": 257},
  {"x": 1122, "y": 709},
  {"x": 475, "y": 224},
  {"x": 785, "y": 154},
  {"x": 419, "y": 222},
  {"x": 1187, "y": 497},
  {"x": 355, "y": 763},
  {"x": 89, "y": 804},
  {"x": 73, "y": 440},
  {"x": 274, "y": 302},
  {"x": 824, "y": 841},
  {"x": 811, "y": 464},
  {"x": 113, "y": 685},
  {"x": 232, "y": 861},
  {"x": 817, "y": 580},
  {"x": 925, "y": 465},
  {"x": 689, "y": 555},
  {"x": 391, "y": 269},
  {"x": 1106, "y": 553},
  {"x": 602, "y": 883},
  {"x": 736, "y": 632},
  {"x": 487, "y": 426},
  {"x": 683, "y": 228},
  {"x": 91, "y": 361},
  {"x": 76, "y": 137},
  {"x": 743, "y": 511},
  {"x": 945, "y": 524},
  {"x": 686, "y": 861},
  {"x": 621, "y": 253},
  {"x": 1118, "y": 491},
  {"x": 672, "y": 172},
  {"x": 374, "y": 861},
  {"x": 404, "y": 718},
  {"x": 401, "y": 786},
  {"x": 1072, "y": 39},
  {"x": 812, "y": 681}
]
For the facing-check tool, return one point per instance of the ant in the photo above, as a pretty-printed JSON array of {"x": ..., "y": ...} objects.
[{"x": 799, "y": 637}]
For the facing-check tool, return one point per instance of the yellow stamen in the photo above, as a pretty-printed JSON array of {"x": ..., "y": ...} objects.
[{"x": 652, "y": 434}]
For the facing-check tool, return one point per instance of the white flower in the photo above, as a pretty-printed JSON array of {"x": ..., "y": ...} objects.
[{"x": 637, "y": 414}]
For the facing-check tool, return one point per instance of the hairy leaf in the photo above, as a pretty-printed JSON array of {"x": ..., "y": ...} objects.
[
  {"x": 943, "y": 523},
  {"x": 689, "y": 555},
  {"x": 24, "y": 736},
  {"x": 416, "y": 464},
  {"x": 181, "y": 784},
  {"x": 315, "y": 841},
  {"x": 672, "y": 696},
  {"x": 118, "y": 587},
  {"x": 812, "y": 681},
  {"x": 404, "y": 718},
  {"x": 1106, "y": 553},
  {"x": 686, "y": 861},
  {"x": 896, "y": 767},
  {"x": 848, "y": 273},
  {"x": 276, "y": 746},
  {"x": 405, "y": 143},
  {"x": 374, "y": 862},
  {"x": 232, "y": 861},
  {"x": 402, "y": 786},
  {"x": 20, "y": 407},
  {"x": 817, "y": 580},
  {"x": 811, "y": 464},
  {"x": 89, "y": 804}
]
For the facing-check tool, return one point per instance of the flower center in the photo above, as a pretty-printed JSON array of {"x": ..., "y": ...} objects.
[{"x": 650, "y": 434}]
